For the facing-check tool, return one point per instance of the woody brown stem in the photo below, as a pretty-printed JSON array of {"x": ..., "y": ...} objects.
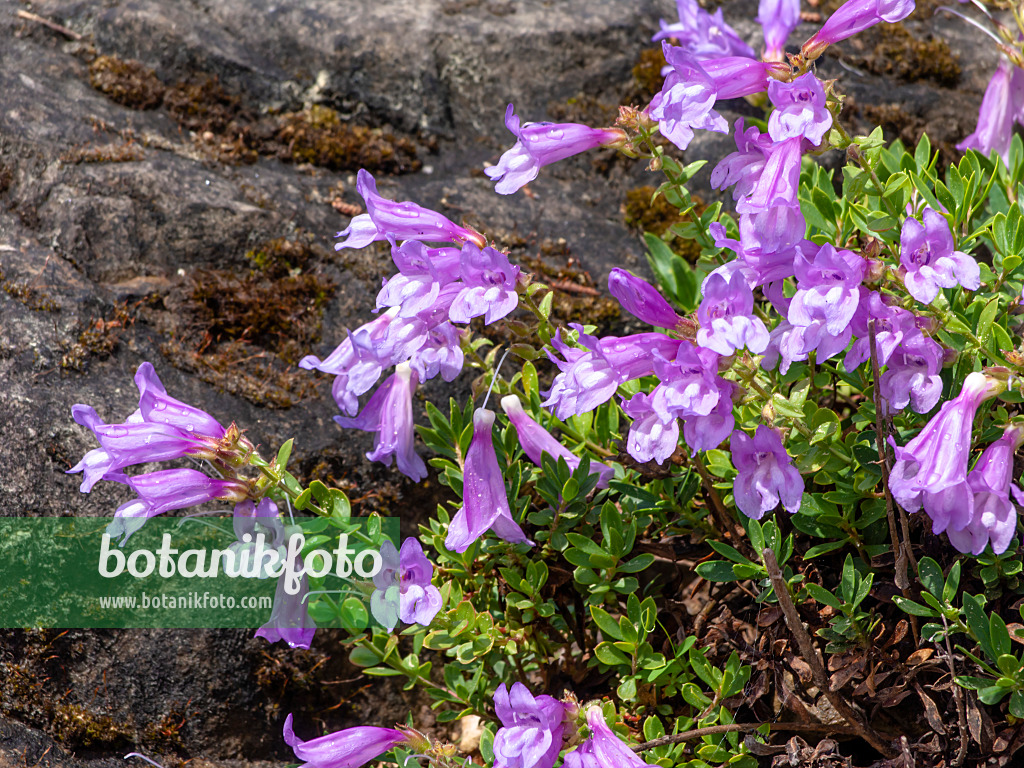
[{"x": 810, "y": 655}]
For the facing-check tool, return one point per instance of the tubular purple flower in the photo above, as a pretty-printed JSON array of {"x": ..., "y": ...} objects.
[
  {"x": 420, "y": 600},
  {"x": 892, "y": 325},
  {"x": 912, "y": 376},
  {"x": 489, "y": 286},
  {"x": 765, "y": 475},
  {"x": 736, "y": 76},
  {"x": 484, "y": 500},
  {"x": 690, "y": 384},
  {"x": 641, "y": 299},
  {"x": 603, "y": 749},
  {"x": 289, "y": 618},
  {"x": 540, "y": 144},
  {"x": 926, "y": 252},
  {"x": 852, "y": 17},
  {"x": 742, "y": 168},
  {"x": 650, "y": 438},
  {"x": 778, "y": 18},
  {"x": 590, "y": 377},
  {"x": 800, "y": 110},
  {"x": 726, "y": 316},
  {"x": 536, "y": 441},
  {"x": 991, "y": 483},
  {"x": 349, "y": 748},
  {"x": 134, "y": 442},
  {"x": 403, "y": 589},
  {"x": 702, "y": 433},
  {"x": 532, "y": 727},
  {"x": 703, "y": 35},
  {"x": 828, "y": 289},
  {"x": 686, "y": 100},
  {"x": 385, "y": 219},
  {"x": 440, "y": 353},
  {"x": 165, "y": 490},
  {"x": 1001, "y": 105},
  {"x": 389, "y": 413},
  {"x": 158, "y": 407},
  {"x": 778, "y": 182},
  {"x": 423, "y": 272},
  {"x": 931, "y": 470}
]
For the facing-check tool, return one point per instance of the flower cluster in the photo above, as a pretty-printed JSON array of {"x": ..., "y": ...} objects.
[{"x": 162, "y": 428}]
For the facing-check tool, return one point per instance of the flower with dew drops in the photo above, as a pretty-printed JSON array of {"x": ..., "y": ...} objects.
[
  {"x": 931, "y": 470},
  {"x": 484, "y": 499},
  {"x": 349, "y": 748}
]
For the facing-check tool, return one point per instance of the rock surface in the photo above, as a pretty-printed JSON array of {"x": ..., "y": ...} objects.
[{"x": 126, "y": 233}]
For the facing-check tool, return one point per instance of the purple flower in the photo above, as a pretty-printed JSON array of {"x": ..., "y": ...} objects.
[
  {"x": 736, "y": 76},
  {"x": 777, "y": 19},
  {"x": 855, "y": 16},
  {"x": 1001, "y": 105},
  {"x": 540, "y": 144},
  {"x": 641, "y": 299},
  {"x": 926, "y": 252},
  {"x": 702, "y": 433},
  {"x": 359, "y": 360},
  {"x": 385, "y": 219},
  {"x": 703, "y": 35},
  {"x": 289, "y": 618},
  {"x": 536, "y": 441},
  {"x": 650, "y": 438},
  {"x": 800, "y": 110},
  {"x": 603, "y": 749},
  {"x": 162, "y": 428},
  {"x": 441, "y": 353},
  {"x": 892, "y": 325},
  {"x": 531, "y": 728},
  {"x": 168, "y": 489},
  {"x": 403, "y": 589},
  {"x": 912, "y": 376},
  {"x": 742, "y": 168},
  {"x": 777, "y": 184},
  {"x": 250, "y": 520},
  {"x": 349, "y": 748},
  {"x": 423, "y": 272},
  {"x": 690, "y": 384},
  {"x": 765, "y": 475},
  {"x": 484, "y": 500},
  {"x": 931, "y": 470},
  {"x": 764, "y": 257},
  {"x": 828, "y": 289},
  {"x": 991, "y": 482},
  {"x": 686, "y": 100},
  {"x": 389, "y": 413},
  {"x": 489, "y": 286},
  {"x": 726, "y": 316},
  {"x": 590, "y": 376}
]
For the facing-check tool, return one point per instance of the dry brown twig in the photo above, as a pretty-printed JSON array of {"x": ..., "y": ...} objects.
[
  {"x": 28, "y": 16},
  {"x": 810, "y": 655}
]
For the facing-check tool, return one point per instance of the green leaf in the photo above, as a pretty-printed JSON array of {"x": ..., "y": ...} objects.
[
  {"x": 716, "y": 570},
  {"x": 931, "y": 577},
  {"x": 673, "y": 273},
  {"x": 823, "y": 596},
  {"x": 284, "y": 453},
  {"x": 608, "y": 626},
  {"x": 914, "y": 609},
  {"x": 363, "y": 657}
]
